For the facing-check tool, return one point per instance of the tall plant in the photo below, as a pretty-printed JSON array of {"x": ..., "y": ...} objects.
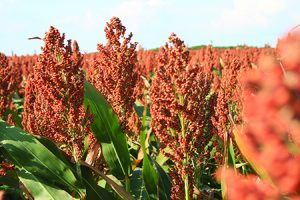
[
  {"x": 54, "y": 93},
  {"x": 269, "y": 139},
  {"x": 114, "y": 73},
  {"x": 180, "y": 113}
]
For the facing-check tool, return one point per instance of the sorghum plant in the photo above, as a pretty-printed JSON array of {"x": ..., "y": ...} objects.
[
  {"x": 20, "y": 65},
  {"x": 180, "y": 113},
  {"x": 146, "y": 65},
  {"x": 115, "y": 76},
  {"x": 270, "y": 137},
  {"x": 8, "y": 83},
  {"x": 54, "y": 93}
]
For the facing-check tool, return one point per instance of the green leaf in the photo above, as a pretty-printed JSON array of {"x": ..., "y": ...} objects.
[
  {"x": 51, "y": 146},
  {"x": 231, "y": 154},
  {"x": 26, "y": 152},
  {"x": 117, "y": 188},
  {"x": 150, "y": 175},
  {"x": 107, "y": 130},
  {"x": 93, "y": 190},
  {"x": 40, "y": 188},
  {"x": 16, "y": 118},
  {"x": 139, "y": 109},
  {"x": 165, "y": 184},
  {"x": 156, "y": 180},
  {"x": 137, "y": 186},
  {"x": 161, "y": 159},
  {"x": 223, "y": 185}
]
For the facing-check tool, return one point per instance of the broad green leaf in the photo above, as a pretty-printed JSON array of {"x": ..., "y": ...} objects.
[
  {"x": 150, "y": 175},
  {"x": 156, "y": 180},
  {"x": 137, "y": 185},
  {"x": 39, "y": 188},
  {"x": 93, "y": 191},
  {"x": 51, "y": 146},
  {"x": 107, "y": 130},
  {"x": 26, "y": 152},
  {"x": 165, "y": 184}
]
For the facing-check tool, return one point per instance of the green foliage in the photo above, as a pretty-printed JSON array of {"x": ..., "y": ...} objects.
[
  {"x": 150, "y": 176},
  {"x": 231, "y": 154},
  {"x": 35, "y": 164},
  {"x": 137, "y": 186},
  {"x": 93, "y": 190},
  {"x": 107, "y": 130}
]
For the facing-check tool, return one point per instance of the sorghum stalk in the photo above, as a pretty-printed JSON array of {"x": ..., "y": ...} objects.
[
  {"x": 8, "y": 83},
  {"x": 179, "y": 113},
  {"x": 115, "y": 76},
  {"x": 53, "y": 105}
]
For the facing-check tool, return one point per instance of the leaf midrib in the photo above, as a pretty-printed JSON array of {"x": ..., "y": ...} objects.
[{"x": 69, "y": 184}]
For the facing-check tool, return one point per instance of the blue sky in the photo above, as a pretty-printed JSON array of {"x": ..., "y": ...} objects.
[{"x": 217, "y": 22}]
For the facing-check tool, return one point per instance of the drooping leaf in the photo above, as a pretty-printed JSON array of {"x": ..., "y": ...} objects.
[
  {"x": 107, "y": 130},
  {"x": 39, "y": 188},
  {"x": 26, "y": 152},
  {"x": 51, "y": 146}
]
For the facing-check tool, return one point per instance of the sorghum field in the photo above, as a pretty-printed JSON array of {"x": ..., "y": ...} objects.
[{"x": 129, "y": 123}]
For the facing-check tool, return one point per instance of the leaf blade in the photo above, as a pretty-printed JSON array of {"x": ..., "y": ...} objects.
[
  {"x": 25, "y": 151},
  {"x": 107, "y": 130}
]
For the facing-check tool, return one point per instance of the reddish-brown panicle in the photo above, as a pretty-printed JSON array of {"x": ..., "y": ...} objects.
[
  {"x": 54, "y": 93},
  {"x": 114, "y": 74}
]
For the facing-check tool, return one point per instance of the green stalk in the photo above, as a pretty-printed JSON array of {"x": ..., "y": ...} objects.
[
  {"x": 127, "y": 184},
  {"x": 145, "y": 108},
  {"x": 76, "y": 160},
  {"x": 186, "y": 159},
  {"x": 186, "y": 187},
  {"x": 144, "y": 115}
]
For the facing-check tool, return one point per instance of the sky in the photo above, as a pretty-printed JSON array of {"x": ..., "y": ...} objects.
[{"x": 197, "y": 22}]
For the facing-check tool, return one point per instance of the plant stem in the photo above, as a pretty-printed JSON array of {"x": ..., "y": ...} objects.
[
  {"x": 186, "y": 159},
  {"x": 127, "y": 184},
  {"x": 186, "y": 187}
]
